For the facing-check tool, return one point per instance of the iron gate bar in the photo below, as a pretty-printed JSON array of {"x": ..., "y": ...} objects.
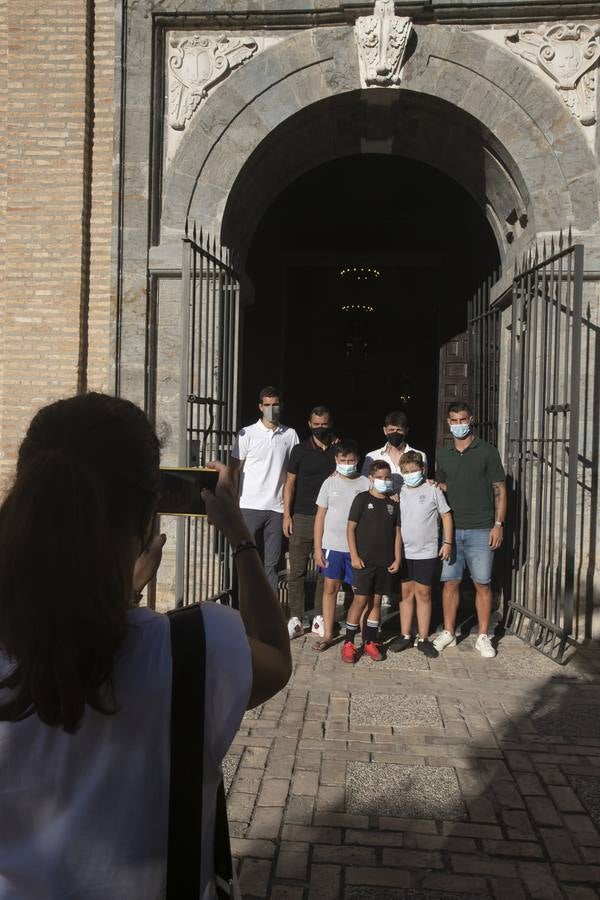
[
  {"x": 545, "y": 370},
  {"x": 484, "y": 332},
  {"x": 209, "y": 315}
]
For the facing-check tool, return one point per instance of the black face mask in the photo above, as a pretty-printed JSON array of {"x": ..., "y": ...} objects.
[
  {"x": 321, "y": 434},
  {"x": 396, "y": 439}
]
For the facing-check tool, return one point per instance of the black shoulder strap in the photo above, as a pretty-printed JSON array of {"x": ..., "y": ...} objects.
[{"x": 187, "y": 753}]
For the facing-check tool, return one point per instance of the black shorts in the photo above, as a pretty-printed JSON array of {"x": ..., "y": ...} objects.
[
  {"x": 425, "y": 571},
  {"x": 374, "y": 580}
]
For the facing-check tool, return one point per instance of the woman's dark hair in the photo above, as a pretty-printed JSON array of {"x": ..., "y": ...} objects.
[{"x": 85, "y": 486}]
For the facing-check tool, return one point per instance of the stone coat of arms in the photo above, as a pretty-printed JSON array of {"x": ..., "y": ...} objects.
[
  {"x": 381, "y": 40},
  {"x": 197, "y": 64},
  {"x": 568, "y": 53}
]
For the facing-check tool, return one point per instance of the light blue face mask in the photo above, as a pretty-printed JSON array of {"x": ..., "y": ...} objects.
[
  {"x": 383, "y": 485},
  {"x": 413, "y": 479},
  {"x": 346, "y": 469},
  {"x": 460, "y": 431}
]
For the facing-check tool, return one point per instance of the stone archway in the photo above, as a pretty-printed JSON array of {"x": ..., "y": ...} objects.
[{"x": 539, "y": 165}]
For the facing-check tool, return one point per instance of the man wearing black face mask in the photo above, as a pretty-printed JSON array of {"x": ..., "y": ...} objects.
[
  {"x": 310, "y": 463},
  {"x": 395, "y": 429}
]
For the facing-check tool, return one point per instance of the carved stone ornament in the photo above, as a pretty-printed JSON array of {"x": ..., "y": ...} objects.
[
  {"x": 568, "y": 54},
  {"x": 196, "y": 65},
  {"x": 381, "y": 40}
]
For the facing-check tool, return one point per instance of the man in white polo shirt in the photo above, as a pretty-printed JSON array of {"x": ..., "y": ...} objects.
[
  {"x": 259, "y": 457},
  {"x": 395, "y": 429}
]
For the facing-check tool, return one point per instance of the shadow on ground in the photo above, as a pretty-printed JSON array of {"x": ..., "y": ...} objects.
[{"x": 451, "y": 778}]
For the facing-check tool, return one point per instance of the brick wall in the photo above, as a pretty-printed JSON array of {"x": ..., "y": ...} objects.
[{"x": 49, "y": 216}]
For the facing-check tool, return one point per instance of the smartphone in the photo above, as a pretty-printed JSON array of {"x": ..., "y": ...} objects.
[{"x": 180, "y": 491}]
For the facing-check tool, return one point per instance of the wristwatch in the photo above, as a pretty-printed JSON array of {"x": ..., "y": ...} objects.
[{"x": 498, "y": 524}]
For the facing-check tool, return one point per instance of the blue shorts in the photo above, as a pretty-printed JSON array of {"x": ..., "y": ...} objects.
[
  {"x": 339, "y": 567},
  {"x": 471, "y": 546}
]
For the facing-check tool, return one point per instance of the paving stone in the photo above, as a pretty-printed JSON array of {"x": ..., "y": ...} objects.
[
  {"x": 565, "y": 799},
  {"x": 377, "y": 876},
  {"x": 396, "y": 710},
  {"x": 540, "y": 881},
  {"x": 286, "y": 892},
  {"x": 299, "y": 810},
  {"x": 405, "y": 858},
  {"x": 365, "y": 893},
  {"x": 254, "y": 877},
  {"x": 459, "y": 884},
  {"x": 273, "y": 792},
  {"x": 266, "y": 823},
  {"x": 259, "y": 849},
  {"x": 292, "y": 861},
  {"x": 588, "y": 874},
  {"x": 377, "y": 789},
  {"x": 324, "y": 882}
]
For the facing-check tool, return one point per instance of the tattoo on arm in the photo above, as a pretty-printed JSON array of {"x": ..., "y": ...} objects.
[{"x": 499, "y": 488}]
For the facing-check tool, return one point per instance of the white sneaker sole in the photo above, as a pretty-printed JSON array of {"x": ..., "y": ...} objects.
[{"x": 445, "y": 646}]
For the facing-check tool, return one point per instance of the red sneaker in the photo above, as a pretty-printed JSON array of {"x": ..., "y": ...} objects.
[
  {"x": 373, "y": 650},
  {"x": 349, "y": 652}
]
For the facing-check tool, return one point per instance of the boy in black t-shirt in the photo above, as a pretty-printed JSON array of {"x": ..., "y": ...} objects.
[{"x": 376, "y": 552}]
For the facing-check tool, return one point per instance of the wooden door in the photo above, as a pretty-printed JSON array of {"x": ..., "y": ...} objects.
[{"x": 454, "y": 381}]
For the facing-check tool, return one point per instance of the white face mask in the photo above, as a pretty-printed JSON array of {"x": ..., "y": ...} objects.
[
  {"x": 413, "y": 479},
  {"x": 346, "y": 468},
  {"x": 271, "y": 413},
  {"x": 383, "y": 485},
  {"x": 460, "y": 431}
]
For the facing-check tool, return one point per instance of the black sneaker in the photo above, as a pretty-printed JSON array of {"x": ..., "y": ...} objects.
[
  {"x": 400, "y": 643},
  {"x": 427, "y": 648}
]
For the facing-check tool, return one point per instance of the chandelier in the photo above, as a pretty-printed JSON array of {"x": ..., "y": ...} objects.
[{"x": 359, "y": 273}]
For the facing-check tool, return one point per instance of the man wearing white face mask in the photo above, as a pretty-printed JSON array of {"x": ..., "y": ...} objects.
[
  {"x": 472, "y": 474},
  {"x": 259, "y": 460}
]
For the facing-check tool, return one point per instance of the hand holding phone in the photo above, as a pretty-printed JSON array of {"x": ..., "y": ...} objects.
[
  {"x": 222, "y": 506},
  {"x": 180, "y": 490}
]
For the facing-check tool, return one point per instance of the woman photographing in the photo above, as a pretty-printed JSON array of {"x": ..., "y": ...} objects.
[{"x": 85, "y": 674}]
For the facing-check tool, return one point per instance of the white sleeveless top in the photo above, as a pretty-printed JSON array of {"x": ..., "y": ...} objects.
[{"x": 85, "y": 816}]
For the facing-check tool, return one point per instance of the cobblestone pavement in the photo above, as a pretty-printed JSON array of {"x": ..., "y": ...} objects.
[{"x": 450, "y": 778}]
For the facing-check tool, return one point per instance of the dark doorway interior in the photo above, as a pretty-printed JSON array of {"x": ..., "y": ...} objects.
[{"x": 362, "y": 270}]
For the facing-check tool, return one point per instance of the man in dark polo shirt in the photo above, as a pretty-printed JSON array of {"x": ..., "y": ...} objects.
[
  {"x": 310, "y": 463},
  {"x": 472, "y": 475}
]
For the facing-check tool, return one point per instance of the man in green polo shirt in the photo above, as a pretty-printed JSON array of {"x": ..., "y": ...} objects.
[{"x": 472, "y": 475}]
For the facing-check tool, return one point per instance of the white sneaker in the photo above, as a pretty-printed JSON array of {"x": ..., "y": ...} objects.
[
  {"x": 484, "y": 646},
  {"x": 295, "y": 628},
  {"x": 318, "y": 626},
  {"x": 444, "y": 639}
]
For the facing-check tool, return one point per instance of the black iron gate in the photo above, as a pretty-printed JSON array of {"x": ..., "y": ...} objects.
[
  {"x": 208, "y": 404},
  {"x": 543, "y": 444},
  {"x": 484, "y": 334}
]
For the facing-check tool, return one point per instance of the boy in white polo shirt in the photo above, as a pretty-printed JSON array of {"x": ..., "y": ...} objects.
[
  {"x": 260, "y": 456},
  {"x": 395, "y": 429}
]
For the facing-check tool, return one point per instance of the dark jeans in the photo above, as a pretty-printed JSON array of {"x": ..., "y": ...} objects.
[
  {"x": 266, "y": 524},
  {"x": 301, "y": 545}
]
